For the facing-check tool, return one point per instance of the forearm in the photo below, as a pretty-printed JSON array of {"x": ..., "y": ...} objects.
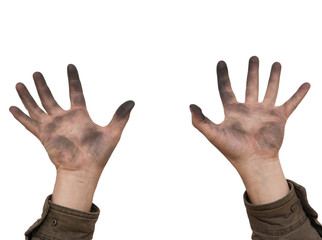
[
  {"x": 264, "y": 180},
  {"x": 75, "y": 190}
]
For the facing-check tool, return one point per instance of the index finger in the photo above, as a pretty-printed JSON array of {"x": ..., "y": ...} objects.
[{"x": 75, "y": 87}]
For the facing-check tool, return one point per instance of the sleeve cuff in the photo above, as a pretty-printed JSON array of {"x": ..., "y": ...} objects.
[
  {"x": 58, "y": 222},
  {"x": 284, "y": 215}
]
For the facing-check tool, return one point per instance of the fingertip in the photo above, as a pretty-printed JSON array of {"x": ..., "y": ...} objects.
[
  {"x": 36, "y": 75},
  {"x": 276, "y": 66},
  {"x": 125, "y": 109},
  {"x": 254, "y": 59},
  {"x": 194, "y": 108},
  {"x": 72, "y": 71},
  {"x": 38, "y": 79},
  {"x": 131, "y": 102},
  {"x": 306, "y": 85},
  {"x": 221, "y": 64},
  {"x": 15, "y": 111},
  {"x": 196, "y": 112},
  {"x": 304, "y": 88},
  {"x": 71, "y": 67},
  {"x": 20, "y": 86},
  {"x": 12, "y": 109},
  {"x": 222, "y": 69}
]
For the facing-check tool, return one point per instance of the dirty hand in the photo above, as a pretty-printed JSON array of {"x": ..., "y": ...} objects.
[
  {"x": 252, "y": 132},
  {"x": 77, "y": 146}
]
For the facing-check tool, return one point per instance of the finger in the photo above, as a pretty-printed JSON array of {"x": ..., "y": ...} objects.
[
  {"x": 47, "y": 99},
  {"x": 252, "y": 80},
  {"x": 35, "y": 112},
  {"x": 295, "y": 100},
  {"x": 226, "y": 93},
  {"x": 273, "y": 83},
  {"x": 75, "y": 87},
  {"x": 202, "y": 123},
  {"x": 30, "y": 124},
  {"x": 121, "y": 117}
]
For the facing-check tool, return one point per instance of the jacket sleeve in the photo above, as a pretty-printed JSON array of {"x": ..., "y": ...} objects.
[
  {"x": 58, "y": 222},
  {"x": 288, "y": 218}
]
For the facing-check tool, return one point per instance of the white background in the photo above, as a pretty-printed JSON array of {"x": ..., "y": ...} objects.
[{"x": 164, "y": 180}]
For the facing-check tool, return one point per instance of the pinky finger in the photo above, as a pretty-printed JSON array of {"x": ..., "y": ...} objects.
[
  {"x": 30, "y": 124},
  {"x": 295, "y": 100}
]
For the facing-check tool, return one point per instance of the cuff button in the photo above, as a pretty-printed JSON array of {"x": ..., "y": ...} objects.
[
  {"x": 293, "y": 208},
  {"x": 53, "y": 222}
]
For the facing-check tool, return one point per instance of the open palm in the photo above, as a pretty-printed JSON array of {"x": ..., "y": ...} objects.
[
  {"x": 72, "y": 140},
  {"x": 252, "y": 130}
]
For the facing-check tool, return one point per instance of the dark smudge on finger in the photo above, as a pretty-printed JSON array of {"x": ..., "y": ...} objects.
[{"x": 124, "y": 109}]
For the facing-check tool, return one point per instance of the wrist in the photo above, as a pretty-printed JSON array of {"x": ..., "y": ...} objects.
[
  {"x": 75, "y": 189},
  {"x": 264, "y": 180}
]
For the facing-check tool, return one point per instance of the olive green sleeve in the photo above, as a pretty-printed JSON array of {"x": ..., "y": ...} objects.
[
  {"x": 58, "y": 222},
  {"x": 288, "y": 218}
]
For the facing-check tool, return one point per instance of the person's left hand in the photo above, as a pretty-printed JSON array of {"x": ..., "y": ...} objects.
[{"x": 252, "y": 132}]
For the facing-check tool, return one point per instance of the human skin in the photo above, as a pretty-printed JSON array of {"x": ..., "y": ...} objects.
[
  {"x": 251, "y": 134},
  {"x": 77, "y": 146}
]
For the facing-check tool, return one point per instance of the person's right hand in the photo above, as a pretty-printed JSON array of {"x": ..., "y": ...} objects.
[{"x": 77, "y": 146}]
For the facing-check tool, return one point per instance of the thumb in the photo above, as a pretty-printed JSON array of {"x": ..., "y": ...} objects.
[
  {"x": 121, "y": 115},
  {"x": 202, "y": 123}
]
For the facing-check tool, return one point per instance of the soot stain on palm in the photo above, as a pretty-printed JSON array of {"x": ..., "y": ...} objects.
[
  {"x": 238, "y": 128},
  {"x": 76, "y": 113},
  {"x": 269, "y": 134},
  {"x": 90, "y": 138},
  {"x": 53, "y": 125},
  {"x": 57, "y": 121},
  {"x": 241, "y": 108},
  {"x": 65, "y": 145},
  {"x": 274, "y": 113}
]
